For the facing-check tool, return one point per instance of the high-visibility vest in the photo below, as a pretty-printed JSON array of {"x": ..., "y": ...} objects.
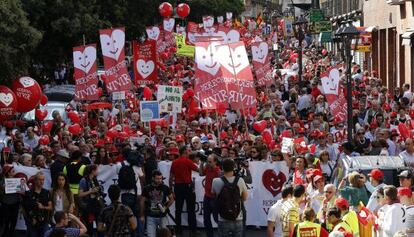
[
  {"x": 343, "y": 227},
  {"x": 308, "y": 229},
  {"x": 351, "y": 219}
]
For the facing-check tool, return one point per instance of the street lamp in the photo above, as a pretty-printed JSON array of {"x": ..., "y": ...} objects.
[
  {"x": 348, "y": 34},
  {"x": 299, "y": 27}
]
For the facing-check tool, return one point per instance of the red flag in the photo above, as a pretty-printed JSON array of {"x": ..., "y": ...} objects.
[
  {"x": 261, "y": 63},
  {"x": 85, "y": 76},
  {"x": 112, "y": 44},
  {"x": 145, "y": 63}
]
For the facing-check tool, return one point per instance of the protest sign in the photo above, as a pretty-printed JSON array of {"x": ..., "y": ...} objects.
[
  {"x": 170, "y": 98},
  {"x": 116, "y": 72},
  {"x": 149, "y": 110},
  {"x": 84, "y": 72},
  {"x": 145, "y": 62},
  {"x": 15, "y": 185}
]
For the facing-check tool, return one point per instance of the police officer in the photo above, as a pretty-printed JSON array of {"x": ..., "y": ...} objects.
[{"x": 308, "y": 227}]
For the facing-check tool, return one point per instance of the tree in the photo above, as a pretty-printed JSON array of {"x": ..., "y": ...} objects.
[{"x": 17, "y": 40}]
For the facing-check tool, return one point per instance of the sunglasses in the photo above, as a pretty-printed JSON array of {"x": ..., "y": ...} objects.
[{"x": 329, "y": 192}]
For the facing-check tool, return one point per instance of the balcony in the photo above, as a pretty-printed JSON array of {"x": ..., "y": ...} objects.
[{"x": 395, "y": 2}]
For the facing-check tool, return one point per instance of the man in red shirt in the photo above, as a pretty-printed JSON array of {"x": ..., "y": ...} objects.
[
  {"x": 180, "y": 178},
  {"x": 211, "y": 170}
]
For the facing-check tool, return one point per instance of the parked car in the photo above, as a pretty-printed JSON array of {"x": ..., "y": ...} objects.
[{"x": 390, "y": 165}]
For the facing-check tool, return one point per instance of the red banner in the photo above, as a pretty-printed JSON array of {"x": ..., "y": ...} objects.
[
  {"x": 261, "y": 63},
  {"x": 145, "y": 62},
  {"x": 116, "y": 72},
  {"x": 334, "y": 94},
  {"x": 223, "y": 76},
  {"x": 192, "y": 30},
  {"x": 85, "y": 76}
]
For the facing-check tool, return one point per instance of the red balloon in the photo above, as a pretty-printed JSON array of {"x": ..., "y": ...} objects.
[
  {"x": 44, "y": 99},
  {"x": 47, "y": 127},
  {"x": 183, "y": 10},
  {"x": 74, "y": 116},
  {"x": 259, "y": 126},
  {"x": 165, "y": 9},
  {"x": 112, "y": 133},
  {"x": 164, "y": 55},
  {"x": 267, "y": 137},
  {"x": 171, "y": 68},
  {"x": 9, "y": 124},
  {"x": 41, "y": 114},
  {"x": 75, "y": 129},
  {"x": 324, "y": 52},
  {"x": 8, "y": 103},
  {"x": 44, "y": 140},
  {"x": 173, "y": 50},
  {"x": 147, "y": 93},
  {"x": 28, "y": 93}
]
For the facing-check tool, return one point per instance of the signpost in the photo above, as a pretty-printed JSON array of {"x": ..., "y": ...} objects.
[
  {"x": 316, "y": 15},
  {"x": 320, "y": 26}
]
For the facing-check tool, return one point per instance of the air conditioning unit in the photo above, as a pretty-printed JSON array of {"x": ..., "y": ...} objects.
[{"x": 395, "y": 2}]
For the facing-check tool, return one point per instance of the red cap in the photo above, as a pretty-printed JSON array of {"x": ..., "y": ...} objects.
[
  {"x": 376, "y": 174},
  {"x": 179, "y": 138},
  {"x": 173, "y": 151},
  {"x": 301, "y": 130},
  {"x": 404, "y": 191},
  {"x": 317, "y": 177},
  {"x": 393, "y": 114},
  {"x": 341, "y": 203}
]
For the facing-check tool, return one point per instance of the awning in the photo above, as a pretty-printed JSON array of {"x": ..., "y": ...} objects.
[
  {"x": 371, "y": 28},
  {"x": 406, "y": 38}
]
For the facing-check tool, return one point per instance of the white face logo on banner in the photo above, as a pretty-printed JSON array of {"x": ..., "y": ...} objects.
[
  {"x": 206, "y": 59},
  {"x": 26, "y": 82},
  {"x": 208, "y": 21},
  {"x": 234, "y": 60},
  {"x": 220, "y": 19},
  {"x": 6, "y": 99},
  {"x": 145, "y": 68},
  {"x": 153, "y": 32},
  {"x": 331, "y": 84},
  {"x": 169, "y": 24},
  {"x": 232, "y": 36},
  {"x": 192, "y": 37},
  {"x": 112, "y": 45},
  {"x": 260, "y": 52},
  {"x": 84, "y": 60},
  {"x": 229, "y": 15}
]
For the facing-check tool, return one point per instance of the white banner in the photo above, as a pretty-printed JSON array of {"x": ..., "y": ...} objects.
[
  {"x": 267, "y": 182},
  {"x": 169, "y": 98}
]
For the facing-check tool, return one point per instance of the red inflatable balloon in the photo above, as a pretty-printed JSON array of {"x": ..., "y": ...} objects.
[
  {"x": 164, "y": 55},
  {"x": 47, "y": 127},
  {"x": 44, "y": 99},
  {"x": 173, "y": 50},
  {"x": 44, "y": 140},
  {"x": 183, "y": 10},
  {"x": 28, "y": 93},
  {"x": 8, "y": 103},
  {"x": 74, "y": 116},
  {"x": 165, "y": 9},
  {"x": 259, "y": 126},
  {"x": 267, "y": 137},
  {"x": 41, "y": 114},
  {"x": 9, "y": 124},
  {"x": 75, "y": 129}
]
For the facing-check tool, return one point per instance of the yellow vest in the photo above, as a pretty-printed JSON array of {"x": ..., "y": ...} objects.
[
  {"x": 342, "y": 226},
  {"x": 308, "y": 229},
  {"x": 351, "y": 219}
]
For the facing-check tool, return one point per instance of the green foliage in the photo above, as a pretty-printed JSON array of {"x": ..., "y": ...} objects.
[
  {"x": 45, "y": 31},
  {"x": 17, "y": 39}
]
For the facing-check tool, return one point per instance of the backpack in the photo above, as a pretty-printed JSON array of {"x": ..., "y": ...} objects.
[
  {"x": 126, "y": 177},
  {"x": 229, "y": 200},
  {"x": 72, "y": 171}
]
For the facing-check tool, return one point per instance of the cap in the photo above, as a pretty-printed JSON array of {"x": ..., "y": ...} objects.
[
  {"x": 7, "y": 169},
  {"x": 173, "y": 151},
  {"x": 376, "y": 174},
  {"x": 317, "y": 177},
  {"x": 204, "y": 139},
  {"x": 63, "y": 153},
  {"x": 404, "y": 191},
  {"x": 179, "y": 138},
  {"x": 393, "y": 114},
  {"x": 405, "y": 174},
  {"x": 341, "y": 203}
]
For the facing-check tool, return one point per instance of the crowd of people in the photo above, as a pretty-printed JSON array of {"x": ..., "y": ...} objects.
[{"x": 219, "y": 145}]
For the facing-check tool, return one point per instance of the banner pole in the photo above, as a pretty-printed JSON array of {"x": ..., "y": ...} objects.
[
  {"x": 218, "y": 127},
  {"x": 84, "y": 40}
]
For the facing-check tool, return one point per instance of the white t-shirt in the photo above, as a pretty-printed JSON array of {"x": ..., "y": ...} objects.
[
  {"x": 408, "y": 158},
  {"x": 274, "y": 216},
  {"x": 408, "y": 95}
]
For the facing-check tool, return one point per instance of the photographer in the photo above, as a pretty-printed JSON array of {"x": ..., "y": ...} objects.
[
  {"x": 156, "y": 199},
  {"x": 91, "y": 197},
  {"x": 211, "y": 170},
  {"x": 242, "y": 171}
]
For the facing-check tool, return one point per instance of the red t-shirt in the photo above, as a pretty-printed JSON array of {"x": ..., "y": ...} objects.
[
  {"x": 181, "y": 168},
  {"x": 210, "y": 175}
]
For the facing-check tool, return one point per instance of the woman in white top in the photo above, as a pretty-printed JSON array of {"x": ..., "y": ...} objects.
[{"x": 62, "y": 197}]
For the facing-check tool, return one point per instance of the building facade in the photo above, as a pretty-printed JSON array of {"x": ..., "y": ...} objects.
[{"x": 392, "y": 53}]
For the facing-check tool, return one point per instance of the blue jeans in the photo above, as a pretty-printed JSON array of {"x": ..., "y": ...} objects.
[
  {"x": 153, "y": 223},
  {"x": 139, "y": 232},
  {"x": 230, "y": 228},
  {"x": 209, "y": 208}
]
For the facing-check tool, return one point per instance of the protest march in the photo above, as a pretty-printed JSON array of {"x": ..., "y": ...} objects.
[{"x": 227, "y": 126}]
